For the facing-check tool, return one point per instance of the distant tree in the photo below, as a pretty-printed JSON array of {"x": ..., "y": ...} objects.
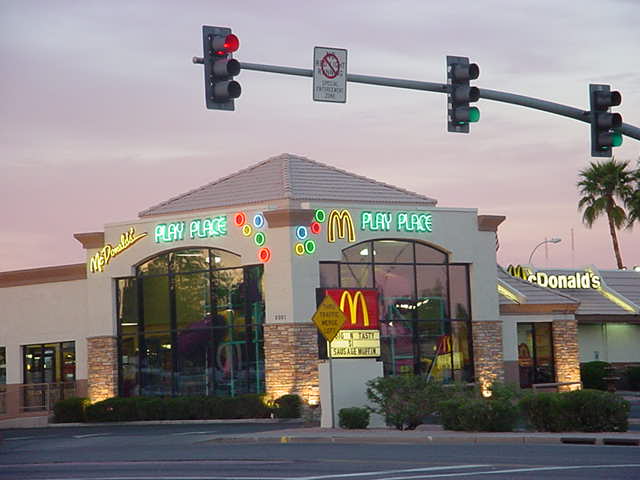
[{"x": 605, "y": 187}]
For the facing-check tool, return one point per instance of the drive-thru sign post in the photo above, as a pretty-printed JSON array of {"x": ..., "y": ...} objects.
[{"x": 329, "y": 319}]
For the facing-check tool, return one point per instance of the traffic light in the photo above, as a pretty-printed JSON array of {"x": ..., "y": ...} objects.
[
  {"x": 219, "y": 67},
  {"x": 606, "y": 127},
  {"x": 460, "y": 94}
]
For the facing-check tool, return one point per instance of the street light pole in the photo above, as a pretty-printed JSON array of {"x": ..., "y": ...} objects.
[{"x": 552, "y": 240}]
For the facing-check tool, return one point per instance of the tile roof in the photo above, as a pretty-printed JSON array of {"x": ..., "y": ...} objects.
[
  {"x": 288, "y": 177},
  {"x": 592, "y": 301},
  {"x": 627, "y": 282},
  {"x": 531, "y": 293}
]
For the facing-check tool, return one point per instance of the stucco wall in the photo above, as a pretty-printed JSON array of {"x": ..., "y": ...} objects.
[
  {"x": 614, "y": 342},
  {"x": 43, "y": 313}
]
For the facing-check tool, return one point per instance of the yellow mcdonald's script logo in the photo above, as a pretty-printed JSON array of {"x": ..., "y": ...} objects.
[
  {"x": 106, "y": 253},
  {"x": 340, "y": 223},
  {"x": 353, "y": 306}
]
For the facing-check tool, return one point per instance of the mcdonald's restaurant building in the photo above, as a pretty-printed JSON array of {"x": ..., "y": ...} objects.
[{"x": 213, "y": 292}]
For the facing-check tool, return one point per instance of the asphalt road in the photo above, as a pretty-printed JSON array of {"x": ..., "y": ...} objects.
[{"x": 186, "y": 452}]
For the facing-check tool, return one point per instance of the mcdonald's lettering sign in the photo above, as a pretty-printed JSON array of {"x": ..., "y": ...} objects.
[
  {"x": 360, "y": 307},
  {"x": 340, "y": 225}
]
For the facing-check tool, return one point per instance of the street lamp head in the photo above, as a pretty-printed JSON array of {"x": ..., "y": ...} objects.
[{"x": 555, "y": 240}]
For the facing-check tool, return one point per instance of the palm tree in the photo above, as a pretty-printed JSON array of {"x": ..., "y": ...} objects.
[
  {"x": 602, "y": 185},
  {"x": 633, "y": 202}
]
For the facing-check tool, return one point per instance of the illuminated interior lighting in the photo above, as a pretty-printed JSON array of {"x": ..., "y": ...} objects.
[
  {"x": 247, "y": 230},
  {"x": 131, "y": 324},
  {"x": 320, "y": 216},
  {"x": 364, "y": 252},
  {"x": 315, "y": 228},
  {"x": 264, "y": 255},
  {"x": 258, "y": 220},
  {"x": 239, "y": 219},
  {"x": 166, "y": 346},
  {"x": 310, "y": 246},
  {"x": 302, "y": 232},
  {"x": 259, "y": 239},
  {"x": 217, "y": 259},
  {"x": 299, "y": 249}
]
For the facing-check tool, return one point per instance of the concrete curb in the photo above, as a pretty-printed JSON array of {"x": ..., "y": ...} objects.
[
  {"x": 271, "y": 421},
  {"x": 428, "y": 439}
]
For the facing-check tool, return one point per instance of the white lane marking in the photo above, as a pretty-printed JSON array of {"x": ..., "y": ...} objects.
[
  {"x": 19, "y": 438},
  {"x": 386, "y": 472},
  {"x": 190, "y": 433},
  {"x": 513, "y": 470},
  {"x": 91, "y": 435}
]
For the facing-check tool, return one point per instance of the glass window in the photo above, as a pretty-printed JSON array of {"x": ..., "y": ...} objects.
[
  {"x": 329, "y": 275},
  {"x": 128, "y": 305},
  {"x": 190, "y": 260},
  {"x": 49, "y": 363},
  {"x": 458, "y": 279},
  {"x": 129, "y": 366},
  {"x": 535, "y": 353},
  {"x": 355, "y": 276},
  {"x": 427, "y": 254},
  {"x": 360, "y": 253},
  {"x": 199, "y": 326},
  {"x": 392, "y": 251},
  {"x": 424, "y": 305},
  {"x": 155, "y": 295},
  {"x": 156, "y": 266},
  {"x": 193, "y": 300}
]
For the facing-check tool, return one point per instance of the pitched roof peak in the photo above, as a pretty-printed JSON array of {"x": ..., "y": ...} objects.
[{"x": 287, "y": 177}]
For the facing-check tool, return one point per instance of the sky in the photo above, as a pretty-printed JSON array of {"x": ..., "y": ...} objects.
[{"x": 102, "y": 112}]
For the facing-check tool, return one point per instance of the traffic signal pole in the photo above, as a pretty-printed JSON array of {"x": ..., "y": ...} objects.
[{"x": 495, "y": 95}]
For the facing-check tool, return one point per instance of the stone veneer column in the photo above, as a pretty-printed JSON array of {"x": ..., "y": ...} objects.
[
  {"x": 487, "y": 352},
  {"x": 291, "y": 358},
  {"x": 565, "y": 352},
  {"x": 102, "y": 355}
]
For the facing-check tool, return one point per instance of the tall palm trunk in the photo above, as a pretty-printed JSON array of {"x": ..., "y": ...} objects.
[{"x": 614, "y": 236}]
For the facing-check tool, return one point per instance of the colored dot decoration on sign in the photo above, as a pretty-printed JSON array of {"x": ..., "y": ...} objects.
[
  {"x": 309, "y": 246},
  {"x": 299, "y": 248},
  {"x": 258, "y": 220},
  {"x": 264, "y": 255},
  {"x": 239, "y": 219},
  {"x": 315, "y": 228},
  {"x": 259, "y": 238},
  {"x": 320, "y": 216},
  {"x": 247, "y": 230},
  {"x": 301, "y": 232}
]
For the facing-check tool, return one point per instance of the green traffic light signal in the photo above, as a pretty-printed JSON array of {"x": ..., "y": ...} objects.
[
  {"x": 474, "y": 114},
  {"x": 616, "y": 139}
]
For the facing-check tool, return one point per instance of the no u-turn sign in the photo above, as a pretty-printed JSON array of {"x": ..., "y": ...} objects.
[{"x": 329, "y": 75}]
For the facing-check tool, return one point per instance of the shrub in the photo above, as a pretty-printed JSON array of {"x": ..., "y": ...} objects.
[
  {"x": 354, "y": 417},
  {"x": 71, "y": 410},
  {"x": 633, "y": 374},
  {"x": 150, "y": 408},
  {"x": 250, "y": 406},
  {"x": 288, "y": 406},
  {"x": 114, "y": 409},
  {"x": 592, "y": 374},
  {"x": 404, "y": 400},
  {"x": 580, "y": 410},
  {"x": 479, "y": 414}
]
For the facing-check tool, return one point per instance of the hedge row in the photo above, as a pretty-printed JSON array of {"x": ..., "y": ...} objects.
[
  {"x": 580, "y": 411},
  {"x": 120, "y": 409}
]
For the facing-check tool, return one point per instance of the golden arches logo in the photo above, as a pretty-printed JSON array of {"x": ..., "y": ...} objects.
[
  {"x": 519, "y": 271},
  {"x": 340, "y": 223},
  {"x": 353, "y": 306}
]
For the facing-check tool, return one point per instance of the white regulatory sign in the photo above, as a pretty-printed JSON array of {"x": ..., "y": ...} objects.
[{"x": 329, "y": 75}]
